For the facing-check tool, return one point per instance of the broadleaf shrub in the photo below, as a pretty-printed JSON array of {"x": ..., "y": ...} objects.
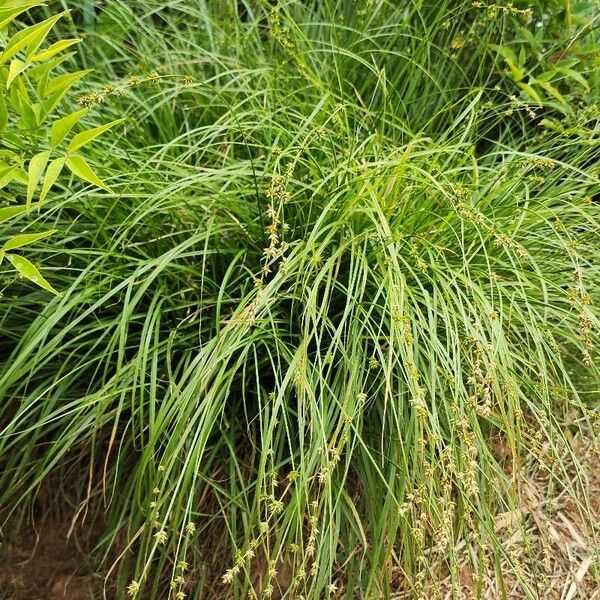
[{"x": 31, "y": 149}]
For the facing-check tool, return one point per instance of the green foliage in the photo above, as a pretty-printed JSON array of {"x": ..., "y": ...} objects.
[
  {"x": 345, "y": 260},
  {"x": 31, "y": 148},
  {"x": 552, "y": 58}
]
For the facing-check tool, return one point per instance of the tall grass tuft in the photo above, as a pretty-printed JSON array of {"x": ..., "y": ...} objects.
[{"x": 350, "y": 254}]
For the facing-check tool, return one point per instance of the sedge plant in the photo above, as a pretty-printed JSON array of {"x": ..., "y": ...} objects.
[{"x": 352, "y": 248}]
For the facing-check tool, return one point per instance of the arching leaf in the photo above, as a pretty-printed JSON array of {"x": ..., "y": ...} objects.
[
  {"x": 36, "y": 168},
  {"x": 30, "y": 38},
  {"x": 29, "y": 271},
  {"x": 61, "y": 127},
  {"x": 52, "y": 173},
  {"x": 85, "y": 137},
  {"x": 80, "y": 168},
  {"x": 24, "y": 240},
  {"x": 8, "y": 212},
  {"x": 55, "y": 48}
]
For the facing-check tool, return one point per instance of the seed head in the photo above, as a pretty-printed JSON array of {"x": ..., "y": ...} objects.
[
  {"x": 183, "y": 565},
  {"x": 161, "y": 537},
  {"x": 190, "y": 528},
  {"x": 133, "y": 588}
]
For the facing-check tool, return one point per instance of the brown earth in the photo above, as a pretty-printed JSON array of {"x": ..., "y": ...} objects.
[
  {"x": 548, "y": 536},
  {"x": 48, "y": 564}
]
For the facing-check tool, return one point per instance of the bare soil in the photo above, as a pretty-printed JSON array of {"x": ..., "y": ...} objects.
[
  {"x": 548, "y": 537},
  {"x": 47, "y": 563}
]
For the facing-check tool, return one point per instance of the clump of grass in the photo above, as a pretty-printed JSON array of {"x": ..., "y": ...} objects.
[{"x": 343, "y": 257}]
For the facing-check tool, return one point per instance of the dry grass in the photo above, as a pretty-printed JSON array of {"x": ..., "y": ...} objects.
[{"x": 551, "y": 543}]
